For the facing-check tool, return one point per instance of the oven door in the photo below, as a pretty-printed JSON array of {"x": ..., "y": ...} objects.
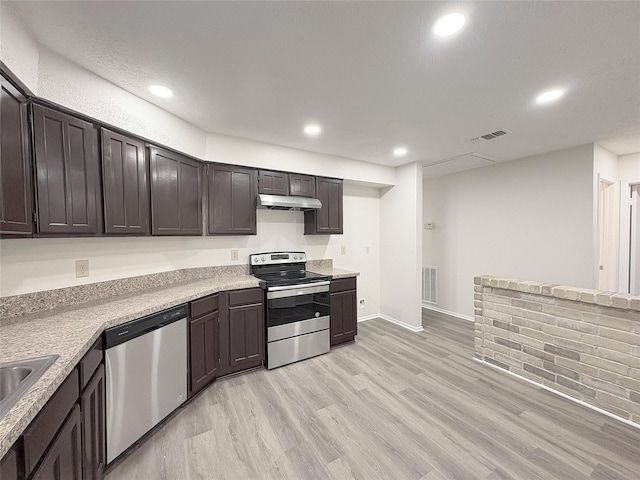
[{"x": 296, "y": 303}]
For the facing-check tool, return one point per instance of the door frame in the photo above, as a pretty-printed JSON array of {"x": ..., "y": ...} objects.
[{"x": 625, "y": 233}]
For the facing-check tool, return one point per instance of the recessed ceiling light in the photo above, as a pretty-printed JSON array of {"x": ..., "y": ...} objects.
[
  {"x": 400, "y": 151},
  {"x": 312, "y": 129},
  {"x": 449, "y": 24},
  {"x": 160, "y": 91},
  {"x": 549, "y": 96}
]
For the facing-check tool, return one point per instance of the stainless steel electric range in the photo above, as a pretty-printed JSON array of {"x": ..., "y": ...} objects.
[{"x": 297, "y": 307}]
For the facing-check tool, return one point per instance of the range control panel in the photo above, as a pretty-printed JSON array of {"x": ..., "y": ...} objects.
[{"x": 274, "y": 258}]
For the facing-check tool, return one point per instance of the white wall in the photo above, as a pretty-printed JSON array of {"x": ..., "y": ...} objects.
[
  {"x": 239, "y": 151},
  {"x": 30, "y": 265},
  {"x": 530, "y": 219},
  {"x": 400, "y": 247},
  {"x": 18, "y": 49},
  {"x": 629, "y": 167}
]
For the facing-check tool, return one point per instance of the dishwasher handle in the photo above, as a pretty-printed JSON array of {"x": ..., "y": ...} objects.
[{"x": 135, "y": 328}]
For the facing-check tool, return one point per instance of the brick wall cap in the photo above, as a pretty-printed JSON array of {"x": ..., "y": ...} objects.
[{"x": 584, "y": 295}]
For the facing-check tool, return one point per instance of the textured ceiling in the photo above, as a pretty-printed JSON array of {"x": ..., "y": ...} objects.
[{"x": 370, "y": 72}]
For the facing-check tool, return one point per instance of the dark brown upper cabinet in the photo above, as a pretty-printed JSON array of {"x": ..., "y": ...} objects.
[
  {"x": 125, "y": 185},
  {"x": 273, "y": 183},
  {"x": 328, "y": 219},
  {"x": 232, "y": 200},
  {"x": 67, "y": 173},
  {"x": 302, "y": 185},
  {"x": 176, "y": 195},
  {"x": 15, "y": 171}
]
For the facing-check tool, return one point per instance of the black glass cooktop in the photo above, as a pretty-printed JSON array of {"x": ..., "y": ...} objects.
[{"x": 274, "y": 279}]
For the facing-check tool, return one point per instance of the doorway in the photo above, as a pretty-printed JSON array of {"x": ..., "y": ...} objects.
[{"x": 607, "y": 238}]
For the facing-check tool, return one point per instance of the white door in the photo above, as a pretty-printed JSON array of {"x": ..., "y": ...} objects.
[{"x": 607, "y": 237}]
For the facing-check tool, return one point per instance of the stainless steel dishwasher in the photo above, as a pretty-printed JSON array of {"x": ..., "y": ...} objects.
[{"x": 146, "y": 373}]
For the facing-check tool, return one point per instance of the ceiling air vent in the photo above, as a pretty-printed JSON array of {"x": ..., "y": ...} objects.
[{"x": 490, "y": 136}]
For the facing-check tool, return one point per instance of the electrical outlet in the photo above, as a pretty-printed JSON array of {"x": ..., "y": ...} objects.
[
  {"x": 367, "y": 250},
  {"x": 234, "y": 254},
  {"x": 362, "y": 303},
  {"x": 343, "y": 250},
  {"x": 82, "y": 268}
]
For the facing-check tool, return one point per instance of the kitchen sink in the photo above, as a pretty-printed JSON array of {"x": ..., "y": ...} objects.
[{"x": 17, "y": 377}]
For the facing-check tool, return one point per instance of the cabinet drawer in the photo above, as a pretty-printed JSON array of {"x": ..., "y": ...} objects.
[
  {"x": 342, "y": 284},
  {"x": 245, "y": 297},
  {"x": 43, "y": 429},
  {"x": 89, "y": 363},
  {"x": 205, "y": 305}
]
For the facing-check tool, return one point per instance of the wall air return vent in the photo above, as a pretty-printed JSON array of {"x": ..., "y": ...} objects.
[
  {"x": 490, "y": 136},
  {"x": 429, "y": 284}
]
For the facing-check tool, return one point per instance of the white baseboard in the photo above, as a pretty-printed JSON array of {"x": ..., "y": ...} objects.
[
  {"x": 392, "y": 320},
  {"x": 568, "y": 397},
  {"x": 402, "y": 324},
  {"x": 428, "y": 306}
]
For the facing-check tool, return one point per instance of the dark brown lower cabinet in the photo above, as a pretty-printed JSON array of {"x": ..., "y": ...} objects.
[
  {"x": 204, "y": 343},
  {"x": 66, "y": 440},
  {"x": 203, "y": 351},
  {"x": 245, "y": 336},
  {"x": 63, "y": 460},
  {"x": 10, "y": 469},
  {"x": 241, "y": 330},
  {"x": 344, "y": 320},
  {"x": 92, "y": 406}
]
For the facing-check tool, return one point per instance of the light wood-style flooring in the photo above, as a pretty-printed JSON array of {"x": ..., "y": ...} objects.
[{"x": 394, "y": 405}]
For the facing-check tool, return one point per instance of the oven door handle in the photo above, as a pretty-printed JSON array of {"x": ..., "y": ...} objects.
[{"x": 305, "y": 289}]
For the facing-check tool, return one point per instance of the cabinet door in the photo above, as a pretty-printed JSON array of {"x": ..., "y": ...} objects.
[
  {"x": 125, "y": 185},
  {"x": 302, "y": 185},
  {"x": 64, "y": 461},
  {"x": 204, "y": 351},
  {"x": 176, "y": 196},
  {"x": 273, "y": 183},
  {"x": 67, "y": 173},
  {"x": 343, "y": 317},
  {"x": 232, "y": 200},
  {"x": 92, "y": 405},
  {"x": 15, "y": 171},
  {"x": 9, "y": 467},
  {"x": 42, "y": 431},
  {"x": 328, "y": 219},
  {"x": 246, "y": 337}
]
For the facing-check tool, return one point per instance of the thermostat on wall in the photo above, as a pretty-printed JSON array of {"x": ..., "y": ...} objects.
[{"x": 429, "y": 226}]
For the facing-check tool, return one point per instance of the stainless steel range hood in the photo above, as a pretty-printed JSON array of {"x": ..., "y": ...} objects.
[{"x": 281, "y": 202}]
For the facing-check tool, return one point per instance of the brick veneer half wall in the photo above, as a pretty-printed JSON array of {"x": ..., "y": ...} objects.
[{"x": 582, "y": 343}]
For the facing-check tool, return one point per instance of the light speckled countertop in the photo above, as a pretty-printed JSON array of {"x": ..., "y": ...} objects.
[
  {"x": 70, "y": 332},
  {"x": 334, "y": 272}
]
